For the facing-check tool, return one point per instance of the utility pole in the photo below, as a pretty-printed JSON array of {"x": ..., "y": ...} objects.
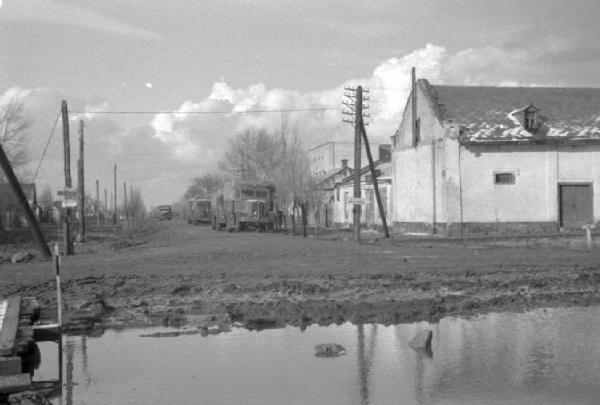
[
  {"x": 69, "y": 249},
  {"x": 125, "y": 202},
  {"x": 115, "y": 198},
  {"x": 105, "y": 205},
  {"x": 131, "y": 204},
  {"x": 97, "y": 203},
  {"x": 81, "y": 185},
  {"x": 38, "y": 237},
  {"x": 356, "y": 104}
]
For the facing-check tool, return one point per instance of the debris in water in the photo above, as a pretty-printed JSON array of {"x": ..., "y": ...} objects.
[
  {"x": 329, "y": 350},
  {"x": 422, "y": 340}
]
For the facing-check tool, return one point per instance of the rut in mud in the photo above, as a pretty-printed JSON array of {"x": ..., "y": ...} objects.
[{"x": 171, "y": 272}]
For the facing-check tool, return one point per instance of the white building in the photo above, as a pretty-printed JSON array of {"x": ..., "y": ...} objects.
[{"x": 493, "y": 160}]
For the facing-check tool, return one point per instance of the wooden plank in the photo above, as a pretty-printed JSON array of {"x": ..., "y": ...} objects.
[
  {"x": 46, "y": 333},
  {"x": 15, "y": 383},
  {"x": 10, "y": 324},
  {"x": 10, "y": 365}
]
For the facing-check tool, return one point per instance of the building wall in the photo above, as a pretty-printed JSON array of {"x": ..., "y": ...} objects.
[
  {"x": 417, "y": 171},
  {"x": 539, "y": 169},
  {"x": 369, "y": 212}
]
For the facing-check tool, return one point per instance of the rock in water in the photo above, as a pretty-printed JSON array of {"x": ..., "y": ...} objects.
[
  {"x": 329, "y": 350},
  {"x": 422, "y": 340}
]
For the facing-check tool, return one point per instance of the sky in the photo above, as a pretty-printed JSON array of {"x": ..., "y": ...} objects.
[{"x": 212, "y": 61}]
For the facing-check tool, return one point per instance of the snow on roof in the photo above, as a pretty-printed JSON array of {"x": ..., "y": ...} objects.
[{"x": 488, "y": 114}]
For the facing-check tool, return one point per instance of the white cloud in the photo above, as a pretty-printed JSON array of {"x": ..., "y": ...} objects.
[
  {"x": 149, "y": 85},
  {"x": 389, "y": 83}
]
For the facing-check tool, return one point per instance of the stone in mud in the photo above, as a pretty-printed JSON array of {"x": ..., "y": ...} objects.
[
  {"x": 28, "y": 398},
  {"x": 21, "y": 257},
  {"x": 329, "y": 350},
  {"x": 422, "y": 340}
]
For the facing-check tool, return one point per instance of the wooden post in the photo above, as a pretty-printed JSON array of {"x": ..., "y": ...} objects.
[
  {"x": 105, "y": 205},
  {"x": 69, "y": 249},
  {"x": 375, "y": 183},
  {"x": 588, "y": 236},
  {"x": 125, "y": 202},
  {"x": 97, "y": 203},
  {"x": 81, "y": 185},
  {"x": 36, "y": 232},
  {"x": 115, "y": 198},
  {"x": 59, "y": 312},
  {"x": 131, "y": 204},
  {"x": 356, "y": 209}
]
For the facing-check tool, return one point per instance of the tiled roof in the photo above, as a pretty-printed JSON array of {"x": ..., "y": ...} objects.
[{"x": 487, "y": 114}]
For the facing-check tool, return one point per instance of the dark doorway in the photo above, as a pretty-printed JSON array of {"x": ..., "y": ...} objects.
[{"x": 575, "y": 205}]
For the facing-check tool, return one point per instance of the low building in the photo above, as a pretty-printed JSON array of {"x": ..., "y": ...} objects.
[
  {"x": 344, "y": 192},
  {"x": 496, "y": 160},
  {"x": 322, "y": 210}
]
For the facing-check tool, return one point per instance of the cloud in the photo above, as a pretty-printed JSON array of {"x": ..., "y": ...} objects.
[
  {"x": 389, "y": 83},
  {"x": 65, "y": 14}
]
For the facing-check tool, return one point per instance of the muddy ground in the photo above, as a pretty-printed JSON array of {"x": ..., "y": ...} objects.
[{"x": 171, "y": 273}]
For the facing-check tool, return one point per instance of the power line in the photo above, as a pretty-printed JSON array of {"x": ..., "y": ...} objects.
[
  {"x": 210, "y": 112},
  {"x": 46, "y": 147}
]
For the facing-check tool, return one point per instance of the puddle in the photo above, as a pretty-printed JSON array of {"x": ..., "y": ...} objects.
[{"x": 539, "y": 357}]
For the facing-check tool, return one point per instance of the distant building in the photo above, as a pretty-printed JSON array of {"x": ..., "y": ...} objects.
[
  {"x": 11, "y": 215},
  {"x": 344, "y": 191},
  {"x": 322, "y": 211},
  {"x": 323, "y": 159},
  {"x": 494, "y": 159}
]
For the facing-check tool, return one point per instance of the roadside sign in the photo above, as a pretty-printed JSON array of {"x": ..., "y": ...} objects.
[
  {"x": 67, "y": 203},
  {"x": 67, "y": 194},
  {"x": 355, "y": 200}
]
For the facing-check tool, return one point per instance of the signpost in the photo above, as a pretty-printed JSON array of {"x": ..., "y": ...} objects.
[{"x": 357, "y": 201}]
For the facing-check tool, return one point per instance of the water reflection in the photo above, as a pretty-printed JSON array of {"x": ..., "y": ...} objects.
[
  {"x": 365, "y": 360},
  {"x": 540, "y": 357}
]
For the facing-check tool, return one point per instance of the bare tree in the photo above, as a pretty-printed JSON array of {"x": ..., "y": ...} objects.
[
  {"x": 14, "y": 123},
  {"x": 136, "y": 206},
  {"x": 252, "y": 156},
  {"x": 204, "y": 186}
]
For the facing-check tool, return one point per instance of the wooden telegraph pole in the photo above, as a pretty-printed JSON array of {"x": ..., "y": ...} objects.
[
  {"x": 81, "y": 185},
  {"x": 69, "y": 249},
  {"x": 97, "y": 203},
  {"x": 105, "y": 205},
  {"x": 356, "y": 104},
  {"x": 131, "y": 204},
  {"x": 125, "y": 202},
  {"x": 115, "y": 197}
]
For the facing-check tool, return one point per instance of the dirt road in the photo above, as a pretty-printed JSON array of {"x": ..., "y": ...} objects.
[{"x": 172, "y": 272}]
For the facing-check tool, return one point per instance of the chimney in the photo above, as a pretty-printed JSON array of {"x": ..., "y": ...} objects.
[
  {"x": 344, "y": 163},
  {"x": 385, "y": 153}
]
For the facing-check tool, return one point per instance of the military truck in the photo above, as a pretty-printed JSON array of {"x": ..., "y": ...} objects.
[
  {"x": 199, "y": 211},
  {"x": 244, "y": 206},
  {"x": 165, "y": 212}
]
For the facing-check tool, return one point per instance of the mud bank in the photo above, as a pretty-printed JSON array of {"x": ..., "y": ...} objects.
[{"x": 263, "y": 280}]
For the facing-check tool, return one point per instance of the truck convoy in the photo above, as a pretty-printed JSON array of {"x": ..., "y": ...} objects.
[
  {"x": 244, "y": 206},
  {"x": 199, "y": 211}
]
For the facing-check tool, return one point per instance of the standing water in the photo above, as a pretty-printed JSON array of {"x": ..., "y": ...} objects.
[{"x": 548, "y": 356}]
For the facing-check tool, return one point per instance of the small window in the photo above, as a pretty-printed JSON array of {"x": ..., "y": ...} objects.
[
  {"x": 531, "y": 118},
  {"x": 504, "y": 178}
]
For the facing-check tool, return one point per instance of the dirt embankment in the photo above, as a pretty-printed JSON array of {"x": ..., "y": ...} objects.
[{"x": 172, "y": 272}]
